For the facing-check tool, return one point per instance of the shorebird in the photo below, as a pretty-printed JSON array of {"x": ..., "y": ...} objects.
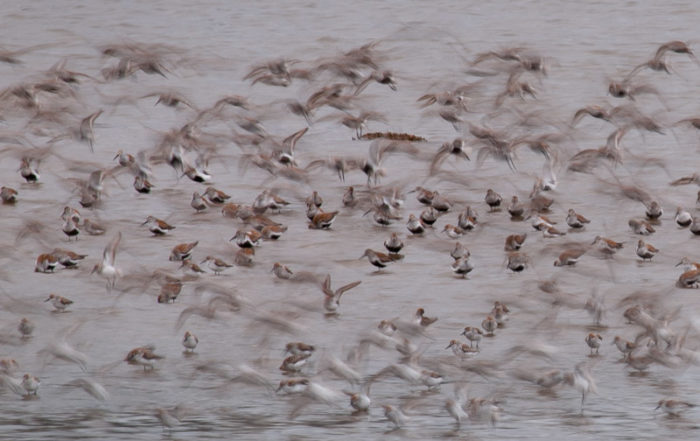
[
  {"x": 143, "y": 356},
  {"x": 514, "y": 242},
  {"x": 67, "y": 258},
  {"x": 382, "y": 77},
  {"x": 653, "y": 210},
  {"x": 157, "y": 226},
  {"x": 569, "y": 257},
  {"x": 169, "y": 290},
  {"x": 85, "y": 131},
  {"x": 349, "y": 199},
  {"x": 582, "y": 380},
  {"x": 516, "y": 261},
  {"x": 217, "y": 265},
  {"x": 46, "y": 263},
  {"x": 59, "y": 302},
  {"x": 423, "y": 195},
  {"x": 332, "y": 300},
  {"x": 190, "y": 341},
  {"x": 415, "y": 225},
  {"x": 593, "y": 341},
  {"x": 453, "y": 231},
  {"x": 683, "y": 218},
  {"x": 380, "y": 260},
  {"x": 674, "y": 408},
  {"x": 459, "y": 251},
  {"x": 645, "y": 250},
  {"x": 107, "y": 268},
  {"x": 675, "y": 46},
  {"x": 247, "y": 238},
  {"x": 296, "y": 348},
  {"x": 461, "y": 349},
  {"x": 429, "y": 216},
  {"x": 473, "y": 335},
  {"x": 182, "y": 251},
  {"x": 215, "y": 196},
  {"x": 395, "y": 415},
  {"x": 70, "y": 228},
  {"x": 142, "y": 184},
  {"x": 29, "y": 170},
  {"x": 695, "y": 177},
  {"x": 314, "y": 199},
  {"x": 695, "y": 226},
  {"x": 500, "y": 312},
  {"x": 493, "y": 199},
  {"x": 25, "y": 327},
  {"x": 387, "y": 327},
  {"x": 466, "y": 219},
  {"x": 323, "y": 220},
  {"x": 282, "y": 271},
  {"x": 575, "y": 220},
  {"x": 624, "y": 346},
  {"x": 422, "y": 320},
  {"x": 462, "y": 266},
  {"x": 293, "y": 385},
  {"x": 489, "y": 324},
  {"x": 641, "y": 227},
  {"x": 30, "y": 384},
  {"x": 272, "y": 232},
  {"x": 457, "y": 148},
  {"x": 394, "y": 244},
  {"x": 198, "y": 202},
  {"x": 551, "y": 231},
  {"x": 606, "y": 245},
  {"x": 8, "y": 195},
  {"x": 294, "y": 363},
  {"x": 516, "y": 209}
]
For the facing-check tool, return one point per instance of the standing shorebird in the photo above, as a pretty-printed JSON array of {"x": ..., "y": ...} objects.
[
  {"x": 645, "y": 250},
  {"x": 593, "y": 341},
  {"x": 190, "y": 341},
  {"x": 575, "y": 220},
  {"x": 157, "y": 226},
  {"x": 493, "y": 199},
  {"x": 143, "y": 356},
  {"x": 59, "y": 302},
  {"x": 380, "y": 260},
  {"x": 217, "y": 265},
  {"x": 394, "y": 244},
  {"x": 182, "y": 251}
]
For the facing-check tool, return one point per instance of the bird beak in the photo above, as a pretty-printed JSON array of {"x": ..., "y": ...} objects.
[{"x": 449, "y": 346}]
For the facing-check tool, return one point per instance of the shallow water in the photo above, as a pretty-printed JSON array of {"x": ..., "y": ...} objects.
[{"x": 428, "y": 47}]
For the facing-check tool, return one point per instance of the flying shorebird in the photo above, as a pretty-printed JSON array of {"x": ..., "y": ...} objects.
[
  {"x": 107, "y": 268},
  {"x": 332, "y": 300}
]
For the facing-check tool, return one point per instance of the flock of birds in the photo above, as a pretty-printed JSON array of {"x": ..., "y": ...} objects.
[{"x": 499, "y": 89}]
